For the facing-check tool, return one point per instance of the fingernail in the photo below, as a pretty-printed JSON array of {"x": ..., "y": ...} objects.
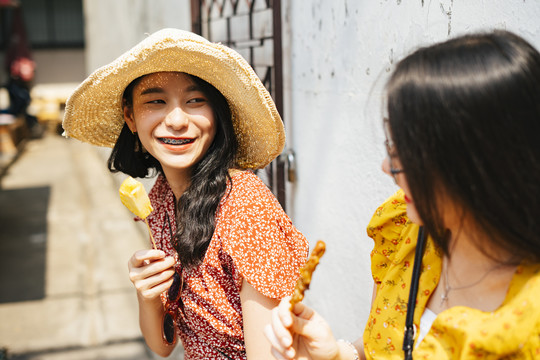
[{"x": 290, "y": 353}]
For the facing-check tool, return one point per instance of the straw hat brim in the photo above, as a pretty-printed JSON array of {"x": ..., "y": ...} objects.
[{"x": 94, "y": 112}]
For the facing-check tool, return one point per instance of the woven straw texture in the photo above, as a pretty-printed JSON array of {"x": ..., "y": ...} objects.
[{"x": 94, "y": 111}]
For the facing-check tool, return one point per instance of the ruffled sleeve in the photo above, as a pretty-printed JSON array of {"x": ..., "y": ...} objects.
[
  {"x": 392, "y": 233},
  {"x": 267, "y": 250}
]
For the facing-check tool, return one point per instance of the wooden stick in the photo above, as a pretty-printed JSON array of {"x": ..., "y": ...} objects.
[{"x": 150, "y": 232}]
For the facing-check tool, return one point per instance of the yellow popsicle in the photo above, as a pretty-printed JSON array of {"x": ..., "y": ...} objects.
[{"x": 134, "y": 197}]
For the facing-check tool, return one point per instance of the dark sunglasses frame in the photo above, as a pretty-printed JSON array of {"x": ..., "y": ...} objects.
[
  {"x": 173, "y": 296},
  {"x": 393, "y": 170},
  {"x": 169, "y": 322}
]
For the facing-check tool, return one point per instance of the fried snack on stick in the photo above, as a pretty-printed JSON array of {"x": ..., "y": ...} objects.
[
  {"x": 302, "y": 284},
  {"x": 134, "y": 197}
]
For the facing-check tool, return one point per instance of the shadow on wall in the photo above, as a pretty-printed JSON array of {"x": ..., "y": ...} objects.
[{"x": 23, "y": 243}]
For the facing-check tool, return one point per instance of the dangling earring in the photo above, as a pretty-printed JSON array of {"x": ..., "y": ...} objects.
[{"x": 138, "y": 144}]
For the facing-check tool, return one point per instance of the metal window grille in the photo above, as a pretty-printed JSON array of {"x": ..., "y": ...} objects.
[{"x": 253, "y": 28}]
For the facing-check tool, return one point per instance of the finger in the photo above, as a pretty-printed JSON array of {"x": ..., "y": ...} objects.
[
  {"x": 303, "y": 311},
  {"x": 150, "y": 290},
  {"x": 302, "y": 321},
  {"x": 149, "y": 254},
  {"x": 274, "y": 341},
  {"x": 151, "y": 275},
  {"x": 278, "y": 350},
  {"x": 161, "y": 264},
  {"x": 285, "y": 312},
  {"x": 139, "y": 258},
  {"x": 156, "y": 267},
  {"x": 278, "y": 355},
  {"x": 280, "y": 330}
]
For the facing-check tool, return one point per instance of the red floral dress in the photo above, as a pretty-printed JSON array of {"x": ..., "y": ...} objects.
[{"x": 253, "y": 240}]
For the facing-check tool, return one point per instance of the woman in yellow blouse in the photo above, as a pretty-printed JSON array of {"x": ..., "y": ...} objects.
[{"x": 463, "y": 144}]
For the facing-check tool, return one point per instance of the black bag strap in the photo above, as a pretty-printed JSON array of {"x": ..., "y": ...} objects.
[{"x": 408, "y": 339}]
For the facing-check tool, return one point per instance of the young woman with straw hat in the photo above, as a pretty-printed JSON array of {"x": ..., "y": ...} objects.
[
  {"x": 195, "y": 113},
  {"x": 462, "y": 126}
]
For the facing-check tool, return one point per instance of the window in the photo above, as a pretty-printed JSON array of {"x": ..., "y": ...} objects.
[{"x": 54, "y": 23}]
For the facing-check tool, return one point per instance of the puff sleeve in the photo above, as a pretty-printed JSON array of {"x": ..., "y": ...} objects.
[
  {"x": 393, "y": 235},
  {"x": 267, "y": 250}
]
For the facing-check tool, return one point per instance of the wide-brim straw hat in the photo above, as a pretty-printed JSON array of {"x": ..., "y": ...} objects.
[{"x": 94, "y": 111}]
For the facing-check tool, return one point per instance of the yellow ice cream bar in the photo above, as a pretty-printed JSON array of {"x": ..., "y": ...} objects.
[{"x": 134, "y": 197}]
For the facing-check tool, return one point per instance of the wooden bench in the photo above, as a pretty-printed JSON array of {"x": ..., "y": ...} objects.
[{"x": 13, "y": 131}]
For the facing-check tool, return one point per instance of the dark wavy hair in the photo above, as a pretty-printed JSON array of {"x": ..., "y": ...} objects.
[
  {"x": 196, "y": 208},
  {"x": 464, "y": 116}
]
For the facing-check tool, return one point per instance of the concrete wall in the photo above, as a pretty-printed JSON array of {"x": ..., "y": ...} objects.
[
  {"x": 113, "y": 27},
  {"x": 339, "y": 53}
]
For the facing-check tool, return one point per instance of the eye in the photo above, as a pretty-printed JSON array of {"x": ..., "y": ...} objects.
[
  {"x": 196, "y": 100},
  {"x": 156, "y": 101}
]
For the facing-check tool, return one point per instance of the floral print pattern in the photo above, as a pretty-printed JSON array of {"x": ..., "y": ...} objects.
[
  {"x": 253, "y": 240},
  {"x": 510, "y": 332}
]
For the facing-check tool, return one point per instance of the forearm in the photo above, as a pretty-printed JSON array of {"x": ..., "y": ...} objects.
[
  {"x": 151, "y": 323},
  {"x": 257, "y": 312}
]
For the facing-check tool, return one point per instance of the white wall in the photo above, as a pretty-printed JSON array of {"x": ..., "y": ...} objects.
[
  {"x": 59, "y": 66},
  {"x": 337, "y": 51},
  {"x": 113, "y": 27}
]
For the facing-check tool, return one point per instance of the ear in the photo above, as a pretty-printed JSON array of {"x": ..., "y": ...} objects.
[{"x": 129, "y": 118}]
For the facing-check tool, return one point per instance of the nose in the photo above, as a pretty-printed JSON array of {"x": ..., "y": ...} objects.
[
  {"x": 176, "y": 118},
  {"x": 386, "y": 166}
]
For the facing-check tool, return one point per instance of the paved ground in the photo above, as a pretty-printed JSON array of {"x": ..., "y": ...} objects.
[{"x": 65, "y": 240}]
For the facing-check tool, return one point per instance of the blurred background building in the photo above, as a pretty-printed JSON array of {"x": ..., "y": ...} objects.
[{"x": 325, "y": 63}]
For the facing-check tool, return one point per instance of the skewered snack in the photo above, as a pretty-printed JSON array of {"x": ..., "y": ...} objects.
[
  {"x": 134, "y": 197},
  {"x": 302, "y": 284}
]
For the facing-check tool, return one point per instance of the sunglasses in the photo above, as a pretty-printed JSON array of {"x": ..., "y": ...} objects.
[
  {"x": 389, "y": 150},
  {"x": 169, "y": 322},
  {"x": 173, "y": 296}
]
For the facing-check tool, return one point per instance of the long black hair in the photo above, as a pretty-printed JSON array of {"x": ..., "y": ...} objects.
[
  {"x": 464, "y": 116},
  {"x": 196, "y": 208}
]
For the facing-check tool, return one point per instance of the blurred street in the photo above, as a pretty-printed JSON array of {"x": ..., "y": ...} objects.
[{"x": 65, "y": 241}]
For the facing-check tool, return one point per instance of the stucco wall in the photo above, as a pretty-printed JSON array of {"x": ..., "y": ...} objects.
[{"x": 338, "y": 54}]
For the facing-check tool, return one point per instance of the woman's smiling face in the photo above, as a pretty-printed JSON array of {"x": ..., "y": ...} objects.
[{"x": 173, "y": 119}]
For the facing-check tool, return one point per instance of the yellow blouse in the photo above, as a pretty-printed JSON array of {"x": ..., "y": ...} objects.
[{"x": 510, "y": 332}]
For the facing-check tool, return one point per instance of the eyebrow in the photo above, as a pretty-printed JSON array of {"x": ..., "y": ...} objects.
[
  {"x": 156, "y": 90},
  {"x": 152, "y": 91}
]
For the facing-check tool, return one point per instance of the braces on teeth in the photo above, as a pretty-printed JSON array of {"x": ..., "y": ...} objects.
[{"x": 176, "y": 141}]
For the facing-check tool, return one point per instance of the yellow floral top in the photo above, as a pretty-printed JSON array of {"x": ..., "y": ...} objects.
[{"x": 510, "y": 332}]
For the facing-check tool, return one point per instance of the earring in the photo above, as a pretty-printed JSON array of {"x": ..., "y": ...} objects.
[{"x": 137, "y": 142}]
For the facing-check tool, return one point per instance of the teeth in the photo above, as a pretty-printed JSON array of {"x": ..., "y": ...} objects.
[{"x": 175, "y": 141}]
